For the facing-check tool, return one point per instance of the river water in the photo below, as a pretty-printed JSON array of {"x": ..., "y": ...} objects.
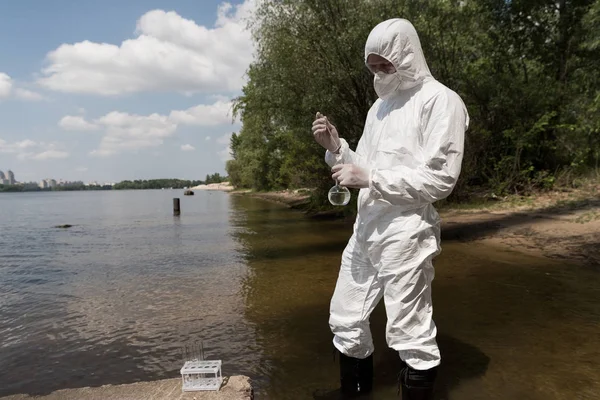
[{"x": 113, "y": 298}]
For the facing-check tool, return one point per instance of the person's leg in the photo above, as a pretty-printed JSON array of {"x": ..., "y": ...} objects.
[
  {"x": 406, "y": 272},
  {"x": 356, "y": 294}
]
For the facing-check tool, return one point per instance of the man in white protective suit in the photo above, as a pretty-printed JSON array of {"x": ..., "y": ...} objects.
[{"x": 409, "y": 156}]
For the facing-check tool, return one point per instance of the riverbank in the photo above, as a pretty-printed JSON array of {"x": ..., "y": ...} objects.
[
  {"x": 234, "y": 388},
  {"x": 562, "y": 224},
  {"x": 291, "y": 198}
]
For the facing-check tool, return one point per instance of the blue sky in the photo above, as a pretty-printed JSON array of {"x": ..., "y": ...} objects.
[{"x": 112, "y": 90}]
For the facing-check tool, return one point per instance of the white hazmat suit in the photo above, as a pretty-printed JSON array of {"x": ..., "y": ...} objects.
[{"x": 412, "y": 149}]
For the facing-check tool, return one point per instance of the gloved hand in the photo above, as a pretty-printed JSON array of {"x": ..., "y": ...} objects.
[
  {"x": 350, "y": 175},
  {"x": 325, "y": 134}
]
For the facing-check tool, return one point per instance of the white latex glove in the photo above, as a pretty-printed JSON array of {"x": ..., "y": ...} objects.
[
  {"x": 325, "y": 133},
  {"x": 350, "y": 175}
]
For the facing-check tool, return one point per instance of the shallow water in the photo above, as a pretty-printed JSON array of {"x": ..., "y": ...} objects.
[{"x": 112, "y": 299}]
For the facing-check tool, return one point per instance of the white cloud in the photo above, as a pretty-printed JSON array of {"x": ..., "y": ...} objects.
[
  {"x": 4, "y": 146},
  {"x": 30, "y": 150},
  {"x": 24, "y": 144},
  {"x": 5, "y": 85},
  {"x": 127, "y": 132},
  {"x": 225, "y": 154},
  {"x": 49, "y": 154},
  {"x": 7, "y": 90},
  {"x": 187, "y": 147},
  {"x": 16, "y": 147},
  {"x": 76, "y": 123},
  {"x": 28, "y": 95},
  {"x": 225, "y": 139},
  {"x": 81, "y": 169},
  {"x": 204, "y": 114},
  {"x": 170, "y": 53}
]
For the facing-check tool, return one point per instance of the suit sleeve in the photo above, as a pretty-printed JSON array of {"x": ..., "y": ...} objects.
[{"x": 347, "y": 156}]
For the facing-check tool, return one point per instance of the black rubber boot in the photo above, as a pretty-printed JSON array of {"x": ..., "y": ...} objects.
[
  {"x": 356, "y": 375},
  {"x": 417, "y": 384},
  {"x": 356, "y": 378}
]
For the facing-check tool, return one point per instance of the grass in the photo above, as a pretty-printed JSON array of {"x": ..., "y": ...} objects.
[
  {"x": 560, "y": 199},
  {"x": 589, "y": 216}
]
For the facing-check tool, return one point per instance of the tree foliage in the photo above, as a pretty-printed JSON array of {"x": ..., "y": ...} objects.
[
  {"x": 156, "y": 184},
  {"x": 33, "y": 187},
  {"x": 526, "y": 69},
  {"x": 215, "y": 178}
]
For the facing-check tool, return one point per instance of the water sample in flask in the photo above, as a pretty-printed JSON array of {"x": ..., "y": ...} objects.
[{"x": 339, "y": 195}]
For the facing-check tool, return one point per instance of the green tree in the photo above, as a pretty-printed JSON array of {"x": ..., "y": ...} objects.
[
  {"x": 526, "y": 70},
  {"x": 156, "y": 184}
]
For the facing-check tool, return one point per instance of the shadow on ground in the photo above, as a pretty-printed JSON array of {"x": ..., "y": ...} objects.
[{"x": 472, "y": 230}]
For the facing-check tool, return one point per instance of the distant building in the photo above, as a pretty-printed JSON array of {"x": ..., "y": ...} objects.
[
  {"x": 3, "y": 179},
  {"x": 44, "y": 184},
  {"x": 11, "y": 177},
  {"x": 52, "y": 183}
]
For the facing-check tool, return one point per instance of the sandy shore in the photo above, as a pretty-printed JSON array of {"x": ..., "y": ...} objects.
[
  {"x": 563, "y": 224},
  {"x": 550, "y": 227},
  {"x": 224, "y": 187}
]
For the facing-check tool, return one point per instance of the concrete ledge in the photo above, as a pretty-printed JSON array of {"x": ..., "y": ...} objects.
[{"x": 234, "y": 388}]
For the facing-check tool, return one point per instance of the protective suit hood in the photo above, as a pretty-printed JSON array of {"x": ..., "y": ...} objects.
[{"x": 397, "y": 41}]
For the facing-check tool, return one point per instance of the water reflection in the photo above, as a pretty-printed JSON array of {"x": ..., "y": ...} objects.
[
  {"x": 112, "y": 299},
  {"x": 292, "y": 264},
  {"x": 511, "y": 326}
]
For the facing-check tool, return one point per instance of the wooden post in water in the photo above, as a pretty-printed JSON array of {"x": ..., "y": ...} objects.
[{"x": 176, "y": 208}]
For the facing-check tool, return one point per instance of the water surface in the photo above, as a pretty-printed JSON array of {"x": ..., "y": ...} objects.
[{"x": 112, "y": 299}]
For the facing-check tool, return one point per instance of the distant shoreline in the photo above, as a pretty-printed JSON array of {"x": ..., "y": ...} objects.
[{"x": 213, "y": 186}]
